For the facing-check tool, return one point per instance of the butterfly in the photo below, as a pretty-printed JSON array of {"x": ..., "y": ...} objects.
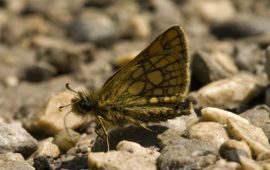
[{"x": 147, "y": 89}]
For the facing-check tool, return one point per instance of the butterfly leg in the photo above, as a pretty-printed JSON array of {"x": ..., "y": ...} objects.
[{"x": 101, "y": 122}]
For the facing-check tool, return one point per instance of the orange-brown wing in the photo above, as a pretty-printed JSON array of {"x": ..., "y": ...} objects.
[{"x": 159, "y": 75}]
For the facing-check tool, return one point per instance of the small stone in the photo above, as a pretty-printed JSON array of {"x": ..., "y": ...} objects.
[
  {"x": 12, "y": 156},
  {"x": 48, "y": 149},
  {"x": 211, "y": 132},
  {"x": 241, "y": 26},
  {"x": 11, "y": 81},
  {"x": 187, "y": 154},
  {"x": 166, "y": 14},
  {"x": 53, "y": 120},
  {"x": 249, "y": 57},
  {"x": 169, "y": 137},
  {"x": 42, "y": 162},
  {"x": 181, "y": 123},
  {"x": 248, "y": 163},
  {"x": 66, "y": 139},
  {"x": 252, "y": 135},
  {"x": 13, "y": 138},
  {"x": 64, "y": 56},
  {"x": 14, "y": 161},
  {"x": 259, "y": 116},
  {"x": 232, "y": 149},
  {"x": 123, "y": 59},
  {"x": 212, "y": 66},
  {"x": 101, "y": 30},
  {"x": 79, "y": 161},
  {"x": 263, "y": 159},
  {"x": 140, "y": 26},
  {"x": 39, "y": 72},
  {"x": 230, "y": 93},
  {"x": 129, "y": 155},
  {"x": 224, "y": 165},
  {"x": 219, "y": 115},
  {"x": 210, "y": 10}
]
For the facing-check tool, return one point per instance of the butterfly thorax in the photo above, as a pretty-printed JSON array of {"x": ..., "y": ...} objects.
[{"x": 85, "y": 103}]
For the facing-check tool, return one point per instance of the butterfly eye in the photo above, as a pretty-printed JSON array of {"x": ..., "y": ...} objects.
[{"x": 85, "y": 105}]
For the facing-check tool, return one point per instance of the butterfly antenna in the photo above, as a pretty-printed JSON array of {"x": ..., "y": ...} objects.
[{"x": 70, "y": 89}]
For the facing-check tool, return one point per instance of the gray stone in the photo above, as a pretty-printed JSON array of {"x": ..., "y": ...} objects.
[
  {"x": 211, "y": 132},
  {"x": 230, "y": 93},
  {"x": 187, "y": 154},
  {"x": 252, "y": 135},
  {"x": 224, "y": 165},
  {"x": 93, "y": 26},
  {"x": 248, "y": 56},
  {"x": 259, "y": 116},
  {"x": 169, "y": 137},
  {"x": 129, "y": 155},
  {"x": 15, "y": 165},
  {"x": 212, "y": 66},
  {"x": 13, "y": 138},
  {"x": 242, "y": 26}
]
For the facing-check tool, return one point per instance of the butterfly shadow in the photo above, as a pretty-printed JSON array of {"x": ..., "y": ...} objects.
[{"x": 140, "y": 135}]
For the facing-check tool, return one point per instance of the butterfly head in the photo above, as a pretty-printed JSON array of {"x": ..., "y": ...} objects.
[{"x": 83, "y": 103}]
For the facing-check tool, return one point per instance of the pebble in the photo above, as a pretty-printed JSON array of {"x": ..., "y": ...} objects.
[
  {"x": 241, "y": 26},
  {"x": 221, "y": 116},
  {"x": 209, "y": 10},
  {"x": 63, "y": 55},
  {"x": 259, "y": 116},
  {"x": 121, "y": 60},
  {"x": 66, "y": 139},
  {"x": 230, "y": 93},
  {"x": 101, "y": 30},
  {"x": 212, "y": 66},
  {"x": 187, "y": 154},
  {"x": 48, "y": 149},
  {"x": 224, "y": 165},
  {"x": 14, "y": 161},
  {"x": 232, "y": 149},
  {"x": 211, "y": 132},
  {"x": 252, "y": 135},
  {"x": 11, "y": 81},
  {"x": 129, "y": 155},
  {"x": 140, "y": 26},
  {"x": 166, "y": 14},
  {"x": 13, "y": 138},
  {"x": 39, "y": 72},
  {"x": 52, "y": 121},
  {"x": 169, "y": 137},
  {"x": 249, "y": 56},
  {"x": 248, "y": 163}
]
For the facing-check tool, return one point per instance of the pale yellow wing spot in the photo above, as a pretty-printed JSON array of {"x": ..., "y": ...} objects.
[
  {"x": 137, "y": 73},
  {"x": 155, "y": 77},
  {"x": 136, "y": 88}
]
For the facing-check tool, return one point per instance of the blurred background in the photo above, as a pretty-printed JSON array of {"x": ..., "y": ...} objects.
[{"x": 46, "y": 43}]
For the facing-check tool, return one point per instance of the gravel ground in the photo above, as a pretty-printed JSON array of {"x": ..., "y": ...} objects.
[{"x": 45, "y": 44}]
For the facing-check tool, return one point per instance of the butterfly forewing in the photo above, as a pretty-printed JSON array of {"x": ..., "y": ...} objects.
[{"x": 159, "y": 75}]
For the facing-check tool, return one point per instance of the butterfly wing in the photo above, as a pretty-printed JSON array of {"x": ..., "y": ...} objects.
[{"x": 155, "y": 79}]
